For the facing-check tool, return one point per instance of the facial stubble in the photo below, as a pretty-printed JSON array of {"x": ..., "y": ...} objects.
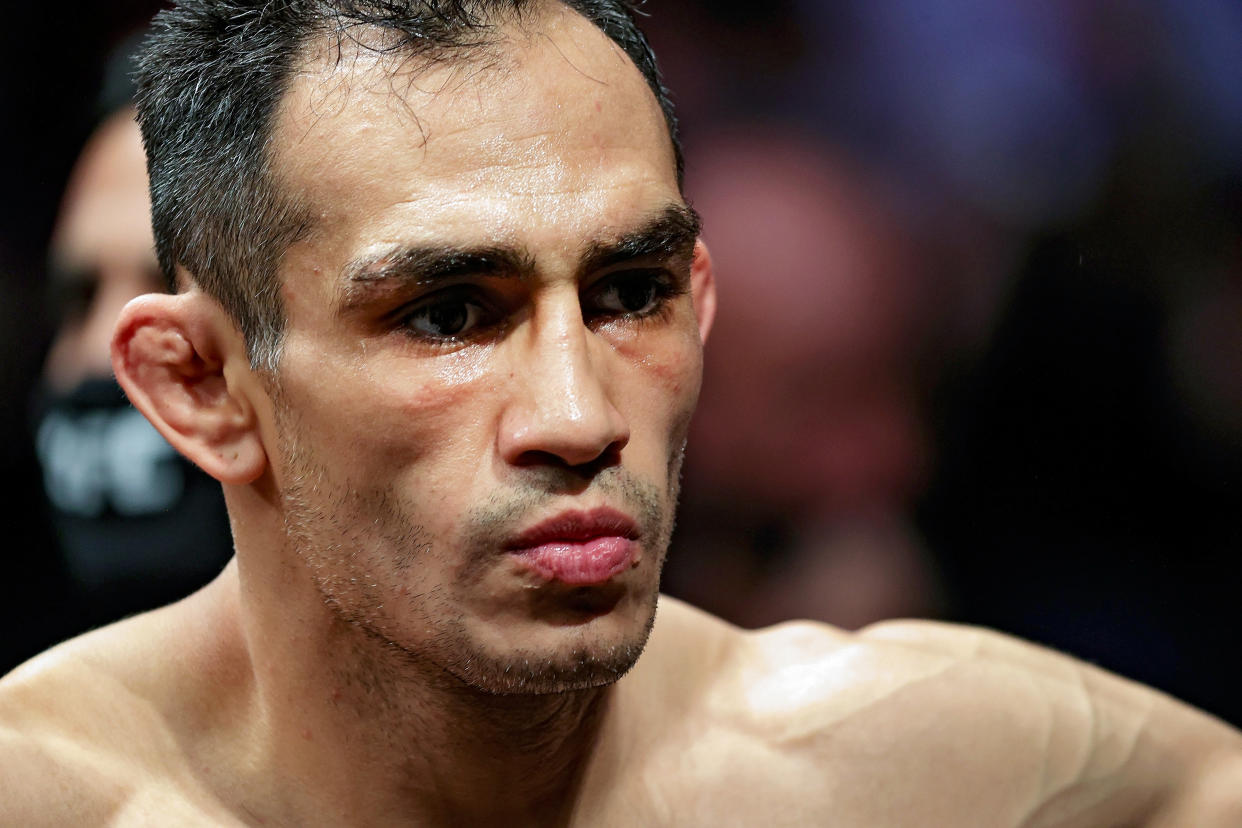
[{"x": 325, "y": 523}]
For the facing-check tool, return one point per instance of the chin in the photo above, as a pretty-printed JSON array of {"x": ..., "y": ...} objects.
[{"x": 541, "y": 658}]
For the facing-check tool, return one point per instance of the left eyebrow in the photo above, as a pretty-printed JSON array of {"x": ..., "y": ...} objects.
[{"x": 671, "y": 233}]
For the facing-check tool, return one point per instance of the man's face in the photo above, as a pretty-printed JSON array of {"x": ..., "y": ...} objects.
[{"x": 492, "y": 353}]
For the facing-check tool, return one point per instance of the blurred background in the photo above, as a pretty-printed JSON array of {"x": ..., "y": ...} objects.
[{"x": 978, "y": 358}]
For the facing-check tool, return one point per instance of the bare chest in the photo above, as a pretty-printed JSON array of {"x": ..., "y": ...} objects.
[{"x": 720, "y": 780}]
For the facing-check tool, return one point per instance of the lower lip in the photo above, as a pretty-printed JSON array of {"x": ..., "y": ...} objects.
[{"x": 580, "y": 563}]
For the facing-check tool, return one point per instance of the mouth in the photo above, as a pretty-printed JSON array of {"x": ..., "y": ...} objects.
[{"x": 579, "y": 548}]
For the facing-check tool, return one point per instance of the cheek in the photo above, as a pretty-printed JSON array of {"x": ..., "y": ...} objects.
[
  {"x": 424, "y": 410},
  {"x": 380, "y": 417},
  {"x": 666, "y": 370}
]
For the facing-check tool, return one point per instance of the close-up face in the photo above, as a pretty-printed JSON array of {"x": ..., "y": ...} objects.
[{"x": 492, "y": 351}]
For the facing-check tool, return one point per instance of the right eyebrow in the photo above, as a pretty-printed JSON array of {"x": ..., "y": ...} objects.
[{"x": 425, "y": 266}]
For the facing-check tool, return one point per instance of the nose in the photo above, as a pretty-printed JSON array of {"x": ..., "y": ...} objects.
[{"x": 560, "y": 410}]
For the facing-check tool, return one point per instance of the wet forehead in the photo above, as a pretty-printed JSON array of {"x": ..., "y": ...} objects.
[{"x": 537, "y": 113}]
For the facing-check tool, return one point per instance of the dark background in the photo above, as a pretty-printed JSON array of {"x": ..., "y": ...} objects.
[{"x": 980, "y": 349}]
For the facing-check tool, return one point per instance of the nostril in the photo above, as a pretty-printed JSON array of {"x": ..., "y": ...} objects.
[
  {"x": 538, "y": 458},
  {"x": 589, "y": 467},
  {"x": 611, "y": 456}
]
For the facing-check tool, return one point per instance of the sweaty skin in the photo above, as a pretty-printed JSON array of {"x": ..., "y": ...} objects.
[{"x": 496, "y": 325}]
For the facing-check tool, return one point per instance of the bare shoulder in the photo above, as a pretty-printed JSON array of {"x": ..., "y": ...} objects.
[
  {"x": 86, "y": 736},
  {"x": 47, "y": 749},
  {"x": 959, "y": 725},
  {"x": 1113, "y": 712},
  {"x": 1111, "y": 747},
  {"x": 62, "y": 755}
]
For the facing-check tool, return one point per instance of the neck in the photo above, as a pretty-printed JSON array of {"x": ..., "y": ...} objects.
[{"x": 378, "y": 734}]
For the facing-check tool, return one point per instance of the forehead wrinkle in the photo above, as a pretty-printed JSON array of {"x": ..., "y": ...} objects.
[
  {"x": 313, "y": 100},
  {"x": 316, "y": 98}
]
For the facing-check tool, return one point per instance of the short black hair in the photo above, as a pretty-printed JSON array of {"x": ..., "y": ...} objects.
[{"x": 210, "y": 79}]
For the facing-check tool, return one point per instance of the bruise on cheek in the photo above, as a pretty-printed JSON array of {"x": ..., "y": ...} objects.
[
  {"x": 673, "y": 357},
  {"x": 675, "y": 370}
]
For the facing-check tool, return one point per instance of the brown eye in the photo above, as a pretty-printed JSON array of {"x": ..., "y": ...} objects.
[
  {"x": 630, "y": 294},
  {"x": 446, "y": 318},
  {"x": 634, "y": 297}
]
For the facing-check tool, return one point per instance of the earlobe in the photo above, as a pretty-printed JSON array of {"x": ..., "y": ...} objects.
[
  {"x": 169, "y": 353},
  {"x": 703, "y": 288}
]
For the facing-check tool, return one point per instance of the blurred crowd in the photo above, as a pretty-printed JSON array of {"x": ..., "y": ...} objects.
[{"x": 978, "y": 357}]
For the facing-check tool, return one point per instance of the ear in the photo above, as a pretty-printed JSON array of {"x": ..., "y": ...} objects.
[
  {"x": 182, "y": 362},
  {"x": 703, "y": 288}
]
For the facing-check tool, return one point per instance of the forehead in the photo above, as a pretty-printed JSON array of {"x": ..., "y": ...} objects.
[{"x": 547, "y": 128}]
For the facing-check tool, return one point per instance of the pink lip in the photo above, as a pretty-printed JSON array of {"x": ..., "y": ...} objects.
[{"x": 579, "y": 548}]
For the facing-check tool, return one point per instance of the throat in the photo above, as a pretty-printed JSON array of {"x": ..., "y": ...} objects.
[
  {"x": 433, "y": 750},
  {"x": 486, "y": 759}
]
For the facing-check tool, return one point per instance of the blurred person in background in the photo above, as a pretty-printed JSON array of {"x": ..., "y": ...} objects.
[{"x": 137, "y": 524}]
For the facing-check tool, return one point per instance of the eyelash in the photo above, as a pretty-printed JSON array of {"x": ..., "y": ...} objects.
[
  {"x": 447, "y": 298},
  {"x": 664, "y": 285}
]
